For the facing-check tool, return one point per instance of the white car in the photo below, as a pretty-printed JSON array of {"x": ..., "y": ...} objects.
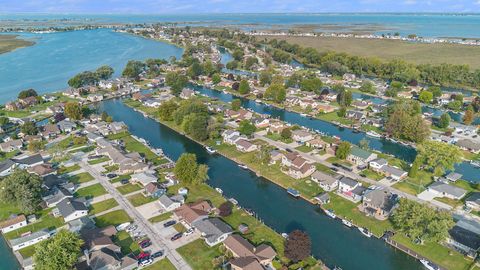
[
  {"x": 189, "y": 231},
  {"x": 146, "y": 262}
]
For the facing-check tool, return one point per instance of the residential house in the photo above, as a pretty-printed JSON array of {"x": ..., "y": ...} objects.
[
  {"x": 10, "y": 146},
  {"x": 322, "y": 198},
  {"x": 358, "y": 156},
  {"x": 325, "y": 108},
  {"x": 301, "y": 136},
  {"x": 29, "y": 161},
  {"x": 229, "y": 136},
  {"x": 187, "y": 93},
  {"x": 189, "y": 213},
  {"x": 28, "y": 101},
  {"x": 275, "y": 156},
  {"x": 378, "y": 203},
  {"x": 213, "y": 230},
  {"x": 355, "y": 115},
  {"x": 56, "y": 195},
  {"x": 473, "y": 201},
  {"x": 445, "y": 190},
  {"x": 95, "y": 97},
  {"x": 317, "y": 143},
  {"x": 325, "y": 181},
  {"x": 377, "y": 164},
  {"x": 168, "y": 203},
  {"x": 393, "y": 172},
  {"x": 453, "y": 177},
  {"x": 42, "y": 169},
  {"x": 154, "y": 190},
  {"x": 245, "y": 146},
  {"x": 303, "y": 171},
  {"x": 50, "y": 131},
  {"x": 467, "y": 144},
  {"x": 13, "y": 223},
  {"x": 66, "y": 126},
  {"x": 350, "y": 189},
  {"x": 465, "y": 237},
  {"x": 29, "y": 240},
  {"x": 246, "y": 255},
  {"x": 72, "y": 209},
  {"x": 143, "y": 178},
  {"x": 361, "y": 104},
  {"x": 6, "y": 167}
]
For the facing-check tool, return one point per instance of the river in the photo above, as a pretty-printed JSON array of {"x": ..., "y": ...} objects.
[{"x": 332, "y": 242}]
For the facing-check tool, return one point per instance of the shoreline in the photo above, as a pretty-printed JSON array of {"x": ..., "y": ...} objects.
[{"x": 12, "y": 42}]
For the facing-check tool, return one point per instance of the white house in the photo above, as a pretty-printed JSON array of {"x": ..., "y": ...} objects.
[
  {"x": 72, "y": 209},
  {"x": 213, "y": 230},
  {"x": 301, "y": 136},
  {"x": 445, "y": 190},
  {"x": 13, "y": 223},
  {"x": 28, "y": 240},
  {"x": 168, "y": 204},
  {"x": 143, "y": 178},
  {"x": 325, "y": 181},
  {"x": 229, "y": 135},
  {"x": 245, "y": 146},
  {"x": 377, "y": 164}
]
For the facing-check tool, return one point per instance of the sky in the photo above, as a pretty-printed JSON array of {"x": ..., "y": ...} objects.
[{"x": 235, "y": 6}]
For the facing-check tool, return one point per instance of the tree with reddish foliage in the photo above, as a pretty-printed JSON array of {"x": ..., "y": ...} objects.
[
  {"x": 59, "y": 117},
  {"x": 225, "y": 209},
  {"x": 298, "y": 246}
]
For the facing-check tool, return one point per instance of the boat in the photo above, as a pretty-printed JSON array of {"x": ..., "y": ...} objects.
[
  {"x": 330, "y": 213},
  {"x": 232, "y": 200},
  {"x": 295, "y": 193},
  {"x": 429, "y": 265},
  {"x": 373, "y": 134},
  {"x": 337, "y": 268},
  {"x": 303, "y": 114},
  {"x": 258, "y": 101},
  {"x": 219, "y": 190},
  {"x": 365, "y": 232},
  {"x": 475, "y": 163},
  {"x": 210, "y": 150},
  {"x": 285, "y": 235},
  {"x": 243, "y": 166},
  {"x": 250, "y": 211},
  {"x": 347, "y": 223}
]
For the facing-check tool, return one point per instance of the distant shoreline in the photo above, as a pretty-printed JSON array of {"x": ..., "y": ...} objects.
[{"x": 9, "y": 43}]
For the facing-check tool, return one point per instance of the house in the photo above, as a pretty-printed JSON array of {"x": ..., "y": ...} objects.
[
  {"x": 6, "y": 167},
  {"x": 143, "y": 178},
  {"x": 72, "y": 209},
  {"x": 377, "y": 164},
  {"x": 28, "y": 101},
  {"x": 445, "y": 190},
  {"x": 465, "y": 237},
  {"x": 465, "y": 144},
  {"x": 473, "y": 201},
  {"x": 322, "y": 198},
  {"x": 95, "y": 97},
  {"x": 107, "y": 257},
  {"x": 275, "y": 156},
  {"x": 51, "y": 181},
  {"x": 393, "y": 172},
  {"x": 83, "y": 223},
  {"x": 378, "y": 203},
  {"x": 354, "y": 115},
  {"x": 189, "y": 213},
  {"x": 154, "y": 190},
  {"x": 213, "y": 230},
  {"x": 30, "y": 239},
  {"x": 187, "y": 93},
  {"x": 358, "y": 156},
  {"x": 50, "y": 131},
  {"x": 229, "y": 135},
  {"x": 316, "y": 143},
  {"x": 361, "y": 104},
  {"x": 301, "y": 136},
  {"x": 304, "y": 171},
  {"x": 41, "y": 169},
  {"x": 56, "y": 195},
  {"x": 325, "y": 181},
  {"x": 325, "y": 108},
  {"x": 350, "y": 189},
  {"x": 66, "y": 126},
  {"x": 13, "y": 223},
  {"x": 245, "y": 146},
  {"x": 168, "y": 204},
  {"x": 453, "y": 176},
  {"x": 246, "y": 255},
  {"x": 11, "y": 145},
  {"x": 29, "y": 161}
]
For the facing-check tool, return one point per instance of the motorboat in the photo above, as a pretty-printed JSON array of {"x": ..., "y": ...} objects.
[
  {"x": 210, "y": 150},
  {"x": 347, "y": 223},
  {"x": 219, "y": 190},
  {"x": 373, "y": 134},
  {"x": 429, "y": 265},
  {"x": 365, "y": 232},
  {"x": 330, "y": 213},
  {"x": 295, "y": 193}
]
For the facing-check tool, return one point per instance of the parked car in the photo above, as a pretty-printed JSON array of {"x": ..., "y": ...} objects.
[
  {"x": 144, "y": 241},
  {"x": 124, "y": 181},
  {"x": 177, "y": 236},
  {"x": 146, "y": 262},
  {"x": 157, "y": 254},
  {"x": 111, "y": 175},
  {"x": 169, "y": 223},
  {"x": 143, "y": 255},
  {"x": 146, "y": 244},
  {"x": 189, "y": 231}
]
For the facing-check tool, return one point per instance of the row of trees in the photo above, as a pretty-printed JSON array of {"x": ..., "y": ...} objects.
[{"x": 91, "y": 77}]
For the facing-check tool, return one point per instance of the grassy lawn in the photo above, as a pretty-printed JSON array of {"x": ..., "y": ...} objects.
[
  {"x": 91, "y": 191},
  {"x": 133, "y": 145},
  {"x": 304, "y": 149},
  {"x": 307, "y": 187},
  {"x": 126, "y": 243},
  {"x": 198, "y": 255},
  {"x": 7, "y": 209},
  {"x": 128, "y": 188},
  {"x": 102, "y": 206},
  {"x": 161, "y": 217},
  {"x": 371, "y": 174},
  {"x": 27, "y": 252},
  {"x": 120, "y": 178},
  {"x": 63, "y": 170},
  {"x": 409, "y": 187},
  {"x": 110, "y": 168},
  {"x": 437, "y": 253},
  {"x": 333, "y": 117},
  {"x": 199, "y": 192},
  {"x": 98, "y": 160},
  {"x": 87, "y": 149},
  {"x": 163, "y": 264},
  {"x": 114, "y": 218},
  {"x": 349, "y": 210},
  {"x": 81, "y": 178},
  {"x": 324, "y": 168},
  {"x": 45, "y": 221},
  {"x": 139, "y": 199},
  {"x": 179, "y": 227}
]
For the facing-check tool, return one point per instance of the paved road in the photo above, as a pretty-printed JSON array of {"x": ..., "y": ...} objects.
[{"x": 158, "y": 243}]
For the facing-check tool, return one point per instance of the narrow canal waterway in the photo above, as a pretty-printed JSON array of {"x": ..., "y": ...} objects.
[{"x": 332, "y": 242}]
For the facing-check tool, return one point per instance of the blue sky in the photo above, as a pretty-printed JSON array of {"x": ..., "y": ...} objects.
[{"x": 235, "y": 6}]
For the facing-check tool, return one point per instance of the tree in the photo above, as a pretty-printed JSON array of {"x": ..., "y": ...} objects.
[
  {"x": 133, "y": 69},
  {"x": 189, "y": 171},
  {"x": 426, "y": 97},
  {"x": 436, "y": 91},
  {"x": 237, "y": 54},
  {"x": 298, "y": 246},
  {"x": 232, "y": 64},
  {"x": 195, "y": 70},
  {"x": 404, "y": 121},
  {"x": 166, "y": 110},
  {"x": 364, "y": 144},
  {"x": 246, "y": 127},
  {"x": 455, "y": 105},
  {"x": 439, "y": 156},
  {"x": 29, "y": 128},
  {"x": 343, "y": 150},
  {"x": 176, "y": 81},
  {"x": 35, "y": 146},
  {"x": 276, "y": 92},
  {"x": 83, "y": 78},
  {"x": 263, "y": 156},
  {"x": 58, "y": 252},
  {"x": 344, "y": 97},
  {"x": 311, "y": 85},
  {"x": 342, "y": 111},
  {"x": 27, "y": 93},
  {"x": 265, "y": 78},
  {"x": 216, "y": 78},
  {"x": 104, "y": 72},
  {"x": 444, "y": 121},
  {"x": 225, "y": 209},
  {"x": 250, "y": 62},
  {"x": 73, "y": 111},
  {"x": 3, "y": 121},
  {"x": 415, "y": 166},
  {"x": 236, "y": 104},
  {"x": 421, "y": 222},
  {"x": 79, "y": 140},
  {"x": 368, "y": 87},
  {"x": 22, "y": 189},
  {"x": 195, "y": 125},
  {"x": 469, "y": 116},
  {"x": 286, "y": 134},
  {"x": 244, "y": 87}
]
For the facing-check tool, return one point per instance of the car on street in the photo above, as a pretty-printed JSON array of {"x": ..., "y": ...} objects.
[
  {"x": 157, "y": 254},
  {"x": 177, "y": 236},
  {"x": 145, "y": 262},
  {"x": 169, "y": 223},
  {"x": 189, "y": 231},
  {"x": 111, "y": 175},
  {"x": 146, "y": 244},
  {"x": 124, "y": 181}
]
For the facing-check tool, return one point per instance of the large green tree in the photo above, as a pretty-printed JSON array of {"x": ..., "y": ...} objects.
[
  {"x": 27, "y": 93},
  {"x": 104, "y": 72},
  {"x": 246, "y": 127},
  {"x": 22, "y": 189},
  {"x": 29, "y": 128},
  {"x": 195, "y": 125},
  {"x": 60, "y": 252},
  {"x": 343, "y": 150},
  {"x": 444, "y": 120},
  {"x": 404, "y": 121},
  {"x": 311, "y": 84},
  {"x": 276, "y": 92},
  {"x": 244, "y": 87},
  {"x": 177, "y": 81},
  {"x": 133, "y": 69},
  {"x": 189, "y": 171},
  {"x": 166, "y": 110},
  {"x": 73, "y": 110},
  {"x": 439, "y": 156}
]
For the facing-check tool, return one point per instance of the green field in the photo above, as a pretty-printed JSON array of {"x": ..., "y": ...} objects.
[
  {"x": 392, "y": 49},
  {"x": 113, "y": 218},
  {"x": 81, "y": 178},
  {"x": 198, "y": 255},
  {"x": 126, "y": 243},
  {"x": 102, "y": 206},
  {"x": 138, "y": 199},
  {"x": 128, "y": 188},
  {"x": 91, "y": 191},
  {"x": 160, "y": 218},
  {"x": 163, "y": 264},
  {"x": 11, "y": 42}
]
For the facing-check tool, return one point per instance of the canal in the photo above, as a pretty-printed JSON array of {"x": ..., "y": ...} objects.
[
  {"x": 469, "y": 172},
  {"x": 332, "y": 242}
]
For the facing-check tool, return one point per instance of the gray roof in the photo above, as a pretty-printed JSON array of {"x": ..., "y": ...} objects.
[
  {"x": 30, "y": 160},
  {"x": 69, "y": 206},
  {"x": 165, "y": 200},
  {"x": 6, "y": 164},
  {"x": 360, "y": 190},
  {"x": 469, "y": 144},
  {"x": 32, "y": 236},
  {"x": 348, "y": 181},
  {"x": 57, "y": 196},
  {"x": 380, "y": 198},
  {"x": 465, "y": 237},
  {"x": 448, "y": 189},
  {"x": 323, "y": 197},
  {"x": 453, "y": 176},
  {"x": 323, "y": 177},
  {"x": 380, "y": 161},
  {"x": 212, "y": 228},
  {"x": 393, "y": 171},
  {"x": 474, "y": 197}
]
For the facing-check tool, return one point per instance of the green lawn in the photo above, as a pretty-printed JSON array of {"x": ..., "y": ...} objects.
[
  {"x": 307, "y": 187},
  {"x": 98, "y": 160},
  {"x": 126, "y": 243},
  {"x": 91, "y": 191},
  {"x": 133, "y": 145},
  {"x": 139, "y": 199},
  {"x": 163, "y": 264},
  {"x": 114, "y": 218},
  {"x": 179, "y": 227},
  {"x": 7, "y": 209},
  {"x": 45, "y": 221},
  {"x": 63, "y": 170},
  {"x": 120, "y": 178},
  {"x": 81, "y": 178},
  {"x": 27, "y": 252},
  {"x": 102, "y": 206},
  {"x": 198, "y": 255},
  {"x": 161, "y": 217},
  {"x": 372, "y": 175},
  {"x": 110, "y": 168},
  {"x": 304, "y": 148},
  {"x": 409, "y": 187},
  {"x": 128, "y": 188}
]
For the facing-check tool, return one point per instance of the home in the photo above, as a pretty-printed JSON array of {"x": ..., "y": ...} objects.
[
  {"x": 393, "y": 172},
  {"x": 187, "y": 93},
  {"x": 275, "y": 156},
  {"x": 350, "y": 189},
  {"x": 143, "y": 178},
  {"x": 42, "y": 169},
  {"x": 325, "y": 181},
  {"x": 405, "y": 94},
  {"x": 189, "y": 213},
  {"x": 465, "y": 144},
  {"x": 6, "y": 167},
  {"x": 213, "y": 230},
  {"x": 170, "y": 203},
  {"x": 95, "y": 97},
  {"x": 301, "y": 136},
  {"x": 354, "y": 115},
  {"x": 316, "y": 143},
  {"x": 51, "y": 181},
  {"x": 71, "y": 209},
  {"x": 453, "y": 176},
  {"x": 245, "y": 146},
  {"x": 276, "y": 127},
  {"x": 349, "y": 77},
  {"x": 30, "y": 239},
  {"x": 83, "y": 223},
  {"x": 10, "y": 146},
  {"x": 303, "y": 171},
  {"x": 445, "y": 190},
  {"x": 358, "y": 156},
  {"x": 377, "y": 164},
  {"x": 29, "y": 161},
  {"x": 154, "y": 190},
  {"x": 50, "y": 131},
  {"x": 106, "y": 255},
  {"x": 378, "y": 203},
  {"x": 56, "y": 195},
  {"x": 13, "y": 223},
  {"x": 325, "y": 108},
  {"x": 66, "y": 126},
  {"x": 246, "y": 255},
  {"x": 473, "y": 201},
  {"x": 230, "y": 136},
  {"x": 361, "y": 104},
  {"x": 322, "y": 198},
  {"x": 465, "y": 237},
  {"x": 28, "y": 101},
  {"x": 152, "y": 102}
]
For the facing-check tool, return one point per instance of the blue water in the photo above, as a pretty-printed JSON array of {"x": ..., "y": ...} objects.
[
  {"x": 426, "y": 25},
  {"x": 7, "y": 259},
  {"x": 47, "y": 65}
]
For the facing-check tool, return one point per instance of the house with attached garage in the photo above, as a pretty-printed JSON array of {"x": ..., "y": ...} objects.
[
  {"x": 213, "y": 230},
  {"x": 29, "y": 161},
  {"x": 302, "y": 136},
  {"x": 473, "y": 201},
  {"x": 465, "y": 237},
  {"x": 326, "y": 181},
  {"x": 13, "y": 223},
  {"x": 71, "y": 209},
  {"x": 245, "y": 146},
  {"x": 29, "y": 240},
  {"x": 144, "y": 178},
  {"x": 393, "y": 172},
  {"x": 358, "y": 156},
  {"x": 190, "y": 213},
  {"x": 378, "y": 203},
  {"x": 441, "y": 189},
  {"x": 6, "y": 167},
  {"x": 469, "y": 145},
  {"x": 12, "y": 145},
  {"x": 170, "y": 203},
  {"x": 66, "y": 126},
  {"x": 350, "y": 189},
  {"x": 154, "y": 190},
  {"x": 230, "y": 136},
  {"x": 246, "y": 255}
]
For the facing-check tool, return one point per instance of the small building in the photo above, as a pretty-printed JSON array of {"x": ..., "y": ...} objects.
[
  {"x": 6, "y": 167},
  {"x": 469, "y": 145},
  {"x": 473, "y": 201},
  {"x": 168, "y": 204},
  {"x": 29, "y": 161},
  {"x": 393, "y": 172},
  {"x": 322, "y": 198},
  {"x": 29, "y": 240},
  {"x": 189, "y": 213},
  {"x": 350, "y": 189},
  {"x": 143, "y": 178},
  {"x": 66, "y": 126},
  {"x": 305, "y": 170},
  {"x": 453, "y": 176},
  {"x": 246, "y": 255},
  {"x": 154, "y": 190},
  {"x": 13, "y": 223},
  {"x": 187, "y": 93},
  {"x": 325, "y": 181},
  {"x": 445, "y": 190},
  {"x": 11, "y": 145},
  {"x": 213, "y": 230},
  {"x": 377, "y": 164},
  {"x": 245, "y": 146},
  {"x": 72, "y": 209}
]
